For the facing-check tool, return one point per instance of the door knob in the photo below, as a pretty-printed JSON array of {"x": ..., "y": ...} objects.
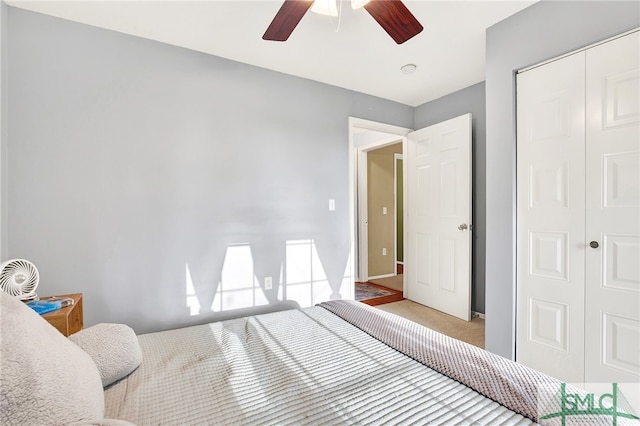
[
  {"x": 462, "y": 227},
  {"x": 594, "y": 244}
]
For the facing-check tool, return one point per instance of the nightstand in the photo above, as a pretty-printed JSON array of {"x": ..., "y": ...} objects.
[{"x": 67, "y": 320}]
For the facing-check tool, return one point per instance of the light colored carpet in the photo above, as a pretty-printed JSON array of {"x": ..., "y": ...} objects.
[
  {"x": 394, "y": 283},
  {"x": 471, "y": 332}
]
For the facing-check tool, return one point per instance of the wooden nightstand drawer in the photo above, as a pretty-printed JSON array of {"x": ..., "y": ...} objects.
[{"x": 67, "y": 320}]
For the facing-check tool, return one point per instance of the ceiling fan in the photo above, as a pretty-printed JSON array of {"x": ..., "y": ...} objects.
[{"x": 392, "y": 15}]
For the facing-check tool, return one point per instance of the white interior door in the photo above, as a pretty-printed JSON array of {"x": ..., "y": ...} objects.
[
  {"x": 612, "y": 324},
  {"x": 438, "y": 228},
  {"x": 550, "y": 218}
]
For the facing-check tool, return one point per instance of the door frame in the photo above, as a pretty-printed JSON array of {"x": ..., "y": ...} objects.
[
  {"x": 397, "y": 157},
  {"x": 358, "y": 147}
]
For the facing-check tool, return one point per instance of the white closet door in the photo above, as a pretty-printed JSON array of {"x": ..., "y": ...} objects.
[
  {"x": 550, "y": 219},
  {"x": 612, "y": 323}
]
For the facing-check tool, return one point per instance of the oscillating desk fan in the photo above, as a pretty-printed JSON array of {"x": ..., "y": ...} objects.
[{"x": 19, "y": 278}]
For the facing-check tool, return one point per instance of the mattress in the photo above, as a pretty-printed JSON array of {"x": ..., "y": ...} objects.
[{"x": 305, "y": 366}]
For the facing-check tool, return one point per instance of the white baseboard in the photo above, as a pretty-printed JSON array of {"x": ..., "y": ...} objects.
[
  {"x": 475, "y": 314},
  {"x": 377, "y": 277}
]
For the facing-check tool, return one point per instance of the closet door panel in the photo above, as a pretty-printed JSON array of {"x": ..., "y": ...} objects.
[
  {"x": 612, "y": 321},
  {"x": 550, "y": 222}
]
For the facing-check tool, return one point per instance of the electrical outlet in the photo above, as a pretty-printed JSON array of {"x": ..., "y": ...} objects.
[
  {"x": 268, "y": 283},
  {"x": 384, "y": 251},
  {"x": 384, "y": 210}
]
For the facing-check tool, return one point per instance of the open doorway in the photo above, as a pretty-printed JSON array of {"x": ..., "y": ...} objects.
[
  {"x": 382, "y": 217},
  {"x": 385, "y": 217},
  {"x": 377, "y": 238}
]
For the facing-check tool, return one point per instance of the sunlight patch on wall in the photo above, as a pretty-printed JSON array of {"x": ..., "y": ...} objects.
[
  {"x": 300, "y": 277},
  {"x": 239, "y": 287},
  {"x": 192, "y": 299},
  {"x": 307, "y": 281}
]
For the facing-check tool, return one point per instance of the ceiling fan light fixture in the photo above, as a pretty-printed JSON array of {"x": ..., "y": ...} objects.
[
  {"x": 392, "y": 15},
  {"x": 357, "y": 4},
  {"x": 325, "y": 7}
]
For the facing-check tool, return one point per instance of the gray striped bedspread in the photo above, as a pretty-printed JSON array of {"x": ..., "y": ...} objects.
[{"x": 305, "y": 366}]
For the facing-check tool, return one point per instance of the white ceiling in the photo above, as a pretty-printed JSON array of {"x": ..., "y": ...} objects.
[{"x": 359, "y": 55}]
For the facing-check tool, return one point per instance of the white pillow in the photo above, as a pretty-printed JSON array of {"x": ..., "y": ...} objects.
[
  {"x": 113, "y": 347},
  {"x": 45, "y": 379}
]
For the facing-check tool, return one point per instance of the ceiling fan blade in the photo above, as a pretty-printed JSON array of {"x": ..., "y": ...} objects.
[
  {"x": 394, "y": 17},
  {"x": 286, "y": 19}
]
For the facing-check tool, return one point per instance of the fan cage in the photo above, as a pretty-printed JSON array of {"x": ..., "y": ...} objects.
[{"x": 19, "y": 278}]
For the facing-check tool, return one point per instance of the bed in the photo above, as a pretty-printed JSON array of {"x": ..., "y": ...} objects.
[{"x": 341, "y": 362}]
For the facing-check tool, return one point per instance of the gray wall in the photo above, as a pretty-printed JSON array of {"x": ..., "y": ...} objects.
[
  {"x": 131, "y": 159},
  {"x": 3, "y": 126},
  {"x": 470, "y": 99},
  {"x": 542, "y": 31}
]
